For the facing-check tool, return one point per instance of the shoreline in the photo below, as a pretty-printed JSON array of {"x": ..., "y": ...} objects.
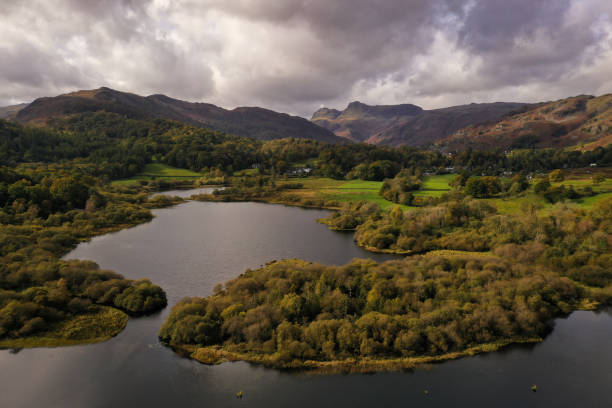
[
  {"x": 105, "y": 323},
  {"x": 214, "y": 355}
]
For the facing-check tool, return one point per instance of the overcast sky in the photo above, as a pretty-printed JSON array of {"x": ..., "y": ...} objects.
[{"x": 298, "y": 55}]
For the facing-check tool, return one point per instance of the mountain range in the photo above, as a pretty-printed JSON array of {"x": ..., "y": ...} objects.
[
  {"x": 253, "y": 122},
  {"x": 406, "y": 124},
  {"x": 584, "y": 121}
]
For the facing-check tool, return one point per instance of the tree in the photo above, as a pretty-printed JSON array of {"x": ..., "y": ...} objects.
[
  {"x": 481, "y": 187},
  {"x": 69, "y": 191},
  {"x": 541, "y": 186},
  {"x": 556, "y": 176},
  {"x": 397, "y": 214},
  {"x": 598, "y": 179}
]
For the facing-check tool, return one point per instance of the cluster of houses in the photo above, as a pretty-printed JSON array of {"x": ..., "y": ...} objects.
[
  {"x": 299, "y": 172},
  {"x": 292, "y": 172}
]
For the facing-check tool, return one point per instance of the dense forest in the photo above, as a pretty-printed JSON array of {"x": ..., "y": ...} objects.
[
  {"x": 575, "y": 241},
  {"x": 569, "y": 240},
  {"x": 46, "y": 208},
  {"x": 121, "y": 147},
  {"x": 520, "y": 272},
  {"x": 290, "y": 313}
]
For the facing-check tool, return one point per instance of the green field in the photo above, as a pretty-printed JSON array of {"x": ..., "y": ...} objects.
[
  {"x": 354, "y": 195},
  {"x": 357, "y": 190},
  {"x": 602, "y": 187},
  {"x": 159, "y": 171},
  {"x": 588, "y": 202},
  {"x": 579, "y": 182},
  {"x": 513, "y": 205},
  {"x": 246, "y": 172},
  {"x": 341, "y": 190},
  {"x": 351, "y": 191},
  {"x": 361, "y": 190},
  {"x": 435, "y": 186}
]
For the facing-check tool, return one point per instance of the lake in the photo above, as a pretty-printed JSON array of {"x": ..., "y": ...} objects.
[
  {"x": 189, "y": 192},
  {"x": 190, "y": 248}
]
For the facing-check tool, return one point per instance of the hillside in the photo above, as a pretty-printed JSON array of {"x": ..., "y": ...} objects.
[
  {"x": 358, "y": 122},
  {"x": 9, "y": 112},
  {"x": 406, "y": 124},
  {"x": 583, "y": 121},
  {"x": 253, "y": 122}
]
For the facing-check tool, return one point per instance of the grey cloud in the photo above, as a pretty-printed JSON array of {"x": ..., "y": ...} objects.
[
  {"x": 364, "y": 26},
  {"x": 27, "y": 65},
  {"x": 350, "y": 41},
  {"x": 492, "y": 25},
  {"x": 26, "y": 72},
  {"x": 60, "y": 46},
  {"x": 507, "y": 35},
  {"x": 295, "y": 55}
]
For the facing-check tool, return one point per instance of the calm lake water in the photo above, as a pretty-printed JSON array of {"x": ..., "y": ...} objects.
[
  {"x": 190, "y": 248},
  {"x": 187, "y": 193}
]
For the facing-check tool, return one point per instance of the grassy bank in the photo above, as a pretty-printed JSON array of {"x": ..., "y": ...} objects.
[
  {"x": 216, "y": 355},
  {"x": 157, "y": 171},
  {"x": 435, "y": 186},
  {"x": 578, "y": 179},
  {"x": 340, "y": 191},
  {"x": 97, "y": 326},
  {"x": 353, "y": 191}
]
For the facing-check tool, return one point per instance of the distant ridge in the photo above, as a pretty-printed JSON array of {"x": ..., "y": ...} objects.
[
  {"x": 253, "y": 122},
  {"x": 407, "y": 124},
  {"x": 358, "y": 122},
  {"x": 583, "y": 121}
]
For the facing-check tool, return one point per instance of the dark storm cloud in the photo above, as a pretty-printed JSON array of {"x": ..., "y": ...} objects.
[
  {"x": 332, "y": 45},
  {"x": 494, "y": 24},
  {"x": 526, "y": 39},
  {"x": 295, "y": 55},
  {"x": 376, "y": 34}
]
